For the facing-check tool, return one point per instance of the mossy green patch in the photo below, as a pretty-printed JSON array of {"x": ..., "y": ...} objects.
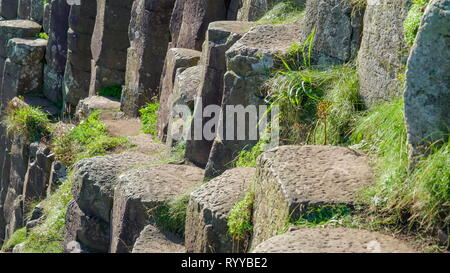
[
  {"x": 149, "y": 118},
  {"x": 284, "y": 12},
  {"x": 114, "y": 91},
  {"x": 240, "y": 224},
  {"x": 413, "y": 19}
]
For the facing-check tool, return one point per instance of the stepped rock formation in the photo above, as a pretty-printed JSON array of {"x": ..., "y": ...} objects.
[
  {"x": 248, "y": 61},
  {"x": 149, "y": 38},
  {"x": 333, "y": 240},
  {"x": 383, "y": 52},
  {"x": 109, "y": 44},
  {"x": 291, "y": 179},
  {"x": 427, "y": 102},
  {"x": 208, "y": 209},
  {"x": 219, "y": 38}
]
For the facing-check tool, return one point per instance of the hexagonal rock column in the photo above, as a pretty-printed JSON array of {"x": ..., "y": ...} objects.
[
  {"x": 333, "y": 240},
  {"x": 14, "y": 29},
  {"x": 24, "y": 9},
  {"x": 291, "y": 178},
  {"x": 8, "y": 9},
  {"x": 219, "y": 38},
  {"x": 427, "y": 101},
  {"x": 338, "y": 30},
  {"x": 144, "y": 189},
  {"x": 383, "y": 52},
  {"x": 152, "y": 240},
  {"x": 94, "y": 180},
  {"x": 248, "y": 61},
  {"x": 37, "y": 11},
  {"x": 252, "y": 10},
  {"x": 78, "y": 65},
  {"x": 197, "y": 15},
  {"x": 149, "y": 38},
  {"x": 207, "y": 213},
  {"x": 184, "y": 94},
  {"x": 176, "y": 58},
  {"x": 56, "y": 53},
  {"x": 23, "y": 70},
  {"x": 109, "y": 44}
]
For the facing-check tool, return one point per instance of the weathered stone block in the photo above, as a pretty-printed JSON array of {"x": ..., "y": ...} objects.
[
  {"x": 88, "y": 105},
  {"x": 207, "y": 213},
  {"x": 290, "y": 179},
  {"x": 24, "y": 9},
  {"x": 142, "y": 190},
  {"x": 176, "y": 58},
  {"x": 8, "y": 9},
  {"x": 149, "y": 38},
  {"x": 383, "y": 53},
  {"x": 16, "y": 29},
  {"x": 109, "y": 44},
  {"x": 153, "y": 240},
  {"x": 427, "y": 101},
  {"x": 333, "y": 240}
]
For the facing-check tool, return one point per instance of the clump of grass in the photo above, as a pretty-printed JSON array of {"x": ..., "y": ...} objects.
[
  {"x": 240, "y": 224},
  {"x": 416, "y": 200},
  {"x": 413, "y": 19},
  {"x": 149, "y": 118},
  {"x": 316, "y": 105},
  {"x": 42, "y": 35},
  {"x": 18, "y": 237},
  {"x": 322, "y": 215},
  {"x": 48, "y": 237},
  {"x": 114, "y": 91},
  {"x": 247, "y": 157},
  {"x": 285, "y": 12},
  {"x": 171, "y": 216},
  {"x": 90, "y": 138},
  {"x": 27, "y": 121}
]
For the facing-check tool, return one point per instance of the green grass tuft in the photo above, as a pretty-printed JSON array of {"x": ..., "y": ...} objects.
[
  {"x": 413, "y": 200},
  {"x": 240, "y": 224},
  {"x": 114, "y": 91},
  {"x": 90, "y": 138},
  {"x": 42, "y": 35},
  {"x": 323, "y": 215},
  {"x": 18, "y": 237},
  {"x": 413, "y": 19},
  {"x": 285, "y": 12},
  {"x": 29, "y": 122},
  {"x": 149, "y": 118}
]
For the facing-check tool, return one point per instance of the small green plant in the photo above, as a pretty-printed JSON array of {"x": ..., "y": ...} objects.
[
  {"x": 114, "y": 91},
  {"x": 171, "y": 216},
  {"x": 90, "y": 138},
  {"x": 322, "y": 215},
  {"x": 285, "y": 12},
  {"x": 413, "y": 19},
  {"x": 18, "y": 237},
  {"x": 30, "y": 122},
  {"x": 240, "y": 224},
  {"x": 42, "y": 35},
  {"x": 149, "y": 118}
]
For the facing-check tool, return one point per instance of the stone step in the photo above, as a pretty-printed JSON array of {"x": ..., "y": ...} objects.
[
  {"x": 207, "y": 213},
  {"x": 290, "y": 179},
  {"x": 152, "y": 240},
  {"x": 142, "y": 190},
  {"x": 106, "y": 105},
  {"x": 333, "y": 240}
]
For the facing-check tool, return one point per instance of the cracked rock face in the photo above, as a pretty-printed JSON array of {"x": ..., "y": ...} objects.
[
  {"x": 153, "y": 240},
  {"x": 333, "y": 240},
  {"x": 292, "y": 178},
  {"x": 427, "y": 102},
  {"x": 208, "y": 209},
  {"x": 142, "y": 190}
]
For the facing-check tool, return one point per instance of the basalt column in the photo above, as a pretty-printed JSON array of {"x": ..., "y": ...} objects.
[
  {"x": 149, "y": 37},
  {"x": 56, "y": 50},
  {"x": 109, "y": 44},
  {"x": 78, "y": 65},
  {"x": 8, "y": 9}
]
